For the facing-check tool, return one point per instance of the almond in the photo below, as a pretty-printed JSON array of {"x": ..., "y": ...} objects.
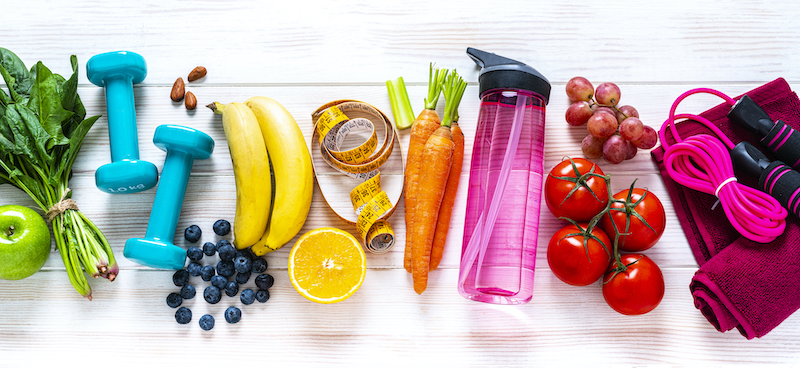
[
  {"x": 197, "y": 73},
  {"x": 178, "y": 90},
  {"x": 191, "y": 101}
]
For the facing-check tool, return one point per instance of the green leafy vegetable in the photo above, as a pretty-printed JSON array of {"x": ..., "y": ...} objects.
[{"x": 42, "y": 126}]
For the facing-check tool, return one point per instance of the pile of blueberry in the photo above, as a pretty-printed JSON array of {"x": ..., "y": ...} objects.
[{"x": 236, "y": 264}]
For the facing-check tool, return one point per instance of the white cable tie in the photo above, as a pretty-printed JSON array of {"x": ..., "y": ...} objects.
[{"x": 728, "y": 180}]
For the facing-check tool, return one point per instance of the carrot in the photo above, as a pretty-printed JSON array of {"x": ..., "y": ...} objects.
[
  {"x": 422, "y": 128},
  {"x": 435, "y": 169},
  {"x": 437, "y": 157},
  {"x": 454, "y": 88},
  {"x": 446, "y": 210}
]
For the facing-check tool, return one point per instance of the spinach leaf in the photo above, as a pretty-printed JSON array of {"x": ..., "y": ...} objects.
[
  {"x": 46, "y": 103},
  {"x": 40, "y": 136},
  {"x": 17, "y": 77},
  {"x": 4, "y": 99},
  {"x": 75, "y": 142},
  {"x": 22, "y": 142},
  {"x": 11, "y": 82},
  {"x": 5, "y": 130},
  {"x": 6, "y": 145},
  {"x": 69, "y": 90}
]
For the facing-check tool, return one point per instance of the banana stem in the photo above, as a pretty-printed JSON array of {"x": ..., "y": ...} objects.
[{"x": 216, "y": 107}]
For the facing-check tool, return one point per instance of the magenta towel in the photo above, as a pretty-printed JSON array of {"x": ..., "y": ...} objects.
[{"x": 743, "y": 284}]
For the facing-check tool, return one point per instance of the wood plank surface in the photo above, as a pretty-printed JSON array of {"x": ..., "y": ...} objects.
[{"x": 304, "y": 54}]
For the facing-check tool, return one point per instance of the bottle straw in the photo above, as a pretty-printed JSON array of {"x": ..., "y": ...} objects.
[{"x": 483, "y": 230}]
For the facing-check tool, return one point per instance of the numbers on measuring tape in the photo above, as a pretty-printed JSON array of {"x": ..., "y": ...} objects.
[{"x": 333, "y": 122}]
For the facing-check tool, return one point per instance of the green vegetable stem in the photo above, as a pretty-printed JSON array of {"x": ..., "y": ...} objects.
[
  {"x": 42, "y": 126},
  {"x": 401, "y": 106},
  {"x": 453, "y": 87}
]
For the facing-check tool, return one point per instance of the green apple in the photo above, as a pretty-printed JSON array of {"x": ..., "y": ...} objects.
[{"x": 24, "y": 242}]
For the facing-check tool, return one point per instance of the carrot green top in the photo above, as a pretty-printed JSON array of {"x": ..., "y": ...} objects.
[
  {"x": 436, "y": 78},
  {"x": 454, "y": 87}
]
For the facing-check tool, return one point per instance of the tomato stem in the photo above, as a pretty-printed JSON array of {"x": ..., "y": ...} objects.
[
  {"x": 580, "y": 180},
  {"x": 628, "y": 206}
]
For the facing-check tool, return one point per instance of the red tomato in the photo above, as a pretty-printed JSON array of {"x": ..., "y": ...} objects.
[
  {"x": 636, "y": 290},
  {"x": 640, "y": 236},
  {"x": 580, "y": 205},
  {"x": 572, "y": 262}
]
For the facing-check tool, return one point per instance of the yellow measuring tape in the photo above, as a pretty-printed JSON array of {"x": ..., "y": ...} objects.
[{"x": 333, "y": 122}]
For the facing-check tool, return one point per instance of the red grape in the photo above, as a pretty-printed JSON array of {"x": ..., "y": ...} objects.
[
  {"x": 578, "y": 113},
  {"x": 607, "y": 94},
  {"x": 592, "y": 146},
  {"x": 630, "y": 150},
  {"x": 602, "y": 125},
  {"x": 615, "y": 149},
  {"x": 579, "y": 89},
  {"x": 626, "y": 111},
  {"x": 648, "y": 139},
  {"x": 598, "y": 108},
  {"x": 631, "y": 128}
]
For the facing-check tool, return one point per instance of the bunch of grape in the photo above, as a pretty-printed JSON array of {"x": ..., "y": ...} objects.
[{"x": 615, "y": 133}]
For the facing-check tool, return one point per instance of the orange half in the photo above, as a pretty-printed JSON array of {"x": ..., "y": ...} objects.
[{"x": 327, "y": 265}]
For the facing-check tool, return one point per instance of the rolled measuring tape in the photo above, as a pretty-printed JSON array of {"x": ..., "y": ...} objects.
[{"x": 372, "y": 206}]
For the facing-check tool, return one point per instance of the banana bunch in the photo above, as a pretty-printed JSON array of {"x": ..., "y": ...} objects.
[{"x": 266, "y": 144}]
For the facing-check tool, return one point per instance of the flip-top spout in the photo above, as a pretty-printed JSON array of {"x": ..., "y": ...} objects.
[{"x": 499, "y": 72}]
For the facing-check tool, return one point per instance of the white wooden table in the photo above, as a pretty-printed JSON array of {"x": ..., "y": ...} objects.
[{"x": 306, "y": 54}]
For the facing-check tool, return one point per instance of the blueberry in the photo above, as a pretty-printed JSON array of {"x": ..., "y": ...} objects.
[
  {"x": 209, "y": 249},
  {"x": 243, "y": 264},
  {"x": 231, "y": 288},
  {"x": 192, "y": 233},
  {"x": 187, "y": 292},
  {"x": 226, "y": 250},
  {"x": 207, "y": 272},
  {"x": 262, "y": 296},
  {"x": 180, "y": 278},
  {"x": 194, "y": 268},
  {"x": 194, "y": 253},
  {"x": 248, "y": 296},
  {"x": 233, "y": 314},
  {"x": 242, "y": 277},
  {"x": 259, "y": 265},
  {"x": 222, "y": 227},
  {"x": 219, "y": 281},
  {"x": 206, "y": 322},
  {"x": 174, "y": 300},
  {"x": 225, "y": 268},
  {"x": 264, "y": 281},
  {"x": 212, "y": 294},
  {"x": 183, "y": 315},
  {"x": 245, "y": 253}
]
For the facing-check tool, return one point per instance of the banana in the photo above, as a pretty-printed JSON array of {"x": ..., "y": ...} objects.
[
  {"x": 251, "y": 171},
  {"x": 294, "y": 176}
]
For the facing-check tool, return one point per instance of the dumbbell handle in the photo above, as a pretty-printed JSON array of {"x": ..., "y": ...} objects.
[
  {"x": 169, "y": 196},
  {"x": 121, "y": 111}
]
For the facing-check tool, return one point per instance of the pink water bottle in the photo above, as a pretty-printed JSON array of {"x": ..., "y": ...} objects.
[{"x": 498, "y": 255}]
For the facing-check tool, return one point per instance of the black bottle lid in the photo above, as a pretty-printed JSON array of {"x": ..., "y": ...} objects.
[{"x": 505, "y": 73}]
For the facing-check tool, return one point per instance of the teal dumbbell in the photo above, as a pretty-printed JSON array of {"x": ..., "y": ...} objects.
[
  {"x": 118, "y": 71},
  {"x": 183, "y": 145}
]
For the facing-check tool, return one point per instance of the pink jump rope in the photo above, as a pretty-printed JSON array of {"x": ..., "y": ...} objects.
[{"x": 703, "y": 162}]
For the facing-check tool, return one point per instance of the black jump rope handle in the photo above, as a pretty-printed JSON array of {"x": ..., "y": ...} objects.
[
  {"x": 774, "y": 177},
  {"x": 776, "y": 136}
]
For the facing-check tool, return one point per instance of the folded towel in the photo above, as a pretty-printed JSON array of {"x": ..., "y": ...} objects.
[{"x": 740, "y": 283}]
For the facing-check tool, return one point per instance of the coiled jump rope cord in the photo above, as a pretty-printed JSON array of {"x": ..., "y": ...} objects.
[{"x": 702, "y": 162}]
